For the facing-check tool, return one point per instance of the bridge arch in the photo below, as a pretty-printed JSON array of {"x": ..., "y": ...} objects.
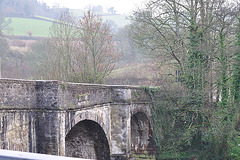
[
  {"x": 141, "y": 133},
  {"x": 87, "y": 136},
  {"x": 88, "y": 115},
  {"x": 87, "y": 139},
  {"x": 145, "y": 109}
]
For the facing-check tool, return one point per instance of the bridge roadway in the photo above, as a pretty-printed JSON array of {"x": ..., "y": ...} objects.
[{"x": 75, "y": 120}]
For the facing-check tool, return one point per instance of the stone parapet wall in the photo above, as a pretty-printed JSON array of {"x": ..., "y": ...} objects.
[
  {"x": 63, "y": 95},
  {"x": 80, "y": 96},
  {"x": 17, "y": 93}
]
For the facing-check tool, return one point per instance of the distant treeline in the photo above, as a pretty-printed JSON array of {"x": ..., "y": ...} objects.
[{"x": 27, "y": 8}]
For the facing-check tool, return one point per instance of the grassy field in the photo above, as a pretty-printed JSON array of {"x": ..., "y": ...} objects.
[
  {"x": 20, "y": 26},
  {"x": 40, "y": 28}
]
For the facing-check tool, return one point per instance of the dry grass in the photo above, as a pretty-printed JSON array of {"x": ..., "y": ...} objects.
[{"x": 144, "y": 74}]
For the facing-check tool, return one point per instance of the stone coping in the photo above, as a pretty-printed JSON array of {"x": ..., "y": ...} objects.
[{"x": 6, "y": 80}]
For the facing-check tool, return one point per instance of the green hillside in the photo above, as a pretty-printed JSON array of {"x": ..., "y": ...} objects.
[
  {"x": 40, "y": 28},
  {"x": 20, "y": 26}
]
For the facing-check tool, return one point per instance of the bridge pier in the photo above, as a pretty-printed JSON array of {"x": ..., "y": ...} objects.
[{"x": 49, "y": 130}]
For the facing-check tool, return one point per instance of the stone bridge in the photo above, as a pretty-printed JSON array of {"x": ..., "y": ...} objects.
[{"x": 75, "y": 120}]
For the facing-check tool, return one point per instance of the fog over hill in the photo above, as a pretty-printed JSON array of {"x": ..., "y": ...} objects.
[{"x": 28, "y": 8}]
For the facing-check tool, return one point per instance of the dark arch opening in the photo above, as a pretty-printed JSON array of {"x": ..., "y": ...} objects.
[
  {"x": 87, "y": 139},
  {"x": 141, "y": 134}
]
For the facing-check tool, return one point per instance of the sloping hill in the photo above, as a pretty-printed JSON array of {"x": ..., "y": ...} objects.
[
  {"x": 142, "y": 74},
  {"x": 39, "y": 26}
]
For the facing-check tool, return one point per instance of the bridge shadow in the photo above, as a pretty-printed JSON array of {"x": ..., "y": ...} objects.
[{"x": 87, "y": 139}]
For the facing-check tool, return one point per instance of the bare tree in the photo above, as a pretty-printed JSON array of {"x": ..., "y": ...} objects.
[
  {"x": 4, "y": 46},
  {"x": 63, "y": 42},
  {"x": 97, "y": 53},
  {"x": 184, "y": 34},
  {"x": 79, "y": 51}
]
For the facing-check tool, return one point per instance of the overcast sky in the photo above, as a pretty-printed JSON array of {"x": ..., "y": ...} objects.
[{"x": 121, "y": 6}]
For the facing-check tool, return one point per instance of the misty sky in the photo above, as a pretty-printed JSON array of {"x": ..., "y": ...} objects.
[{"x": 121, "y": 6}]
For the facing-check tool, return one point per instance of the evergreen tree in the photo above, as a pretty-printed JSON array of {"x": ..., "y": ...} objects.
[{"x": 236, "y": 69}]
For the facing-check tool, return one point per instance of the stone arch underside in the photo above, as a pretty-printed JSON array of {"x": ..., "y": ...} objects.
[
  {"x": 87, "y": 139},
  {"x": 95, "y": 116},
  {"x": 141, "y": 134}
]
